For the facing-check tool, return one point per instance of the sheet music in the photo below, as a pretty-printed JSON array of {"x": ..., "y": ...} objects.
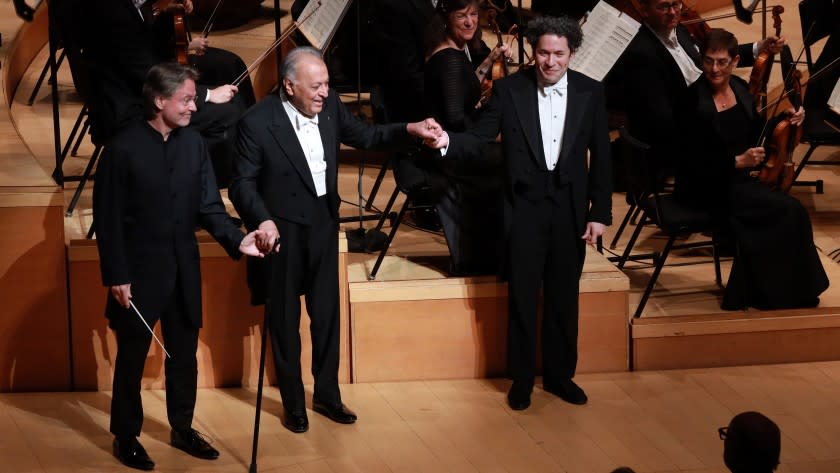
[
  {"x": 319, "y": 26},
  {"x": 606, "y": 34},
  {"x": 834, "y": 99}
]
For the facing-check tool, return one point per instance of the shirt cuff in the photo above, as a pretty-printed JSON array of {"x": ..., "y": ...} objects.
[
  {"x": 207, "y": 96},
  {"x": 445, "y": 149},
  {"x": 756, "y": 47}
]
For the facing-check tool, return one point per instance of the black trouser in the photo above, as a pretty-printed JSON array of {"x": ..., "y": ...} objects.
[
  {"x": 545, "y": 250},
  {"x": 307, "y": 264},
  {"x": 133, "y": 339}
]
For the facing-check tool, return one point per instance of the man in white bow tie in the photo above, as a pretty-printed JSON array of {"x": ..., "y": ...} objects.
[{"x": 555, "y": 200}]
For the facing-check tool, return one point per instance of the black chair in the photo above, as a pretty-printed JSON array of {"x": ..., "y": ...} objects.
[
  {"x": 415, "y": 189},
  {"x": 818, "y": 21},
  {"x": 82, "y": 83},
  {"x": 660, "y": 207}
]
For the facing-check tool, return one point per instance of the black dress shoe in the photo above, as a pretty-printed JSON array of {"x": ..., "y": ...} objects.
[
  {"x": 295, "y": 420},
  {"x": 566, "y": 390},
  {"x": 130, "y": 453},
  {"x": 519, "y": 396},
  {"x": 194, "y": 443},
  {"x": 338, "y": 412}
]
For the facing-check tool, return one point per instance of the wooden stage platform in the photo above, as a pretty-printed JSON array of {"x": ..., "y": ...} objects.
[{"x": 412, "y": 323}]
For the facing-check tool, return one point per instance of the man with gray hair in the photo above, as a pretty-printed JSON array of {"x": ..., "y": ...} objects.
[
  {"x": 558, "y": 197},
  {"x": 285, "y": 183}
]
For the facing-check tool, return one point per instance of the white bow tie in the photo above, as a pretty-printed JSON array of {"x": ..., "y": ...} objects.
[{"x": 546, "y": 91}]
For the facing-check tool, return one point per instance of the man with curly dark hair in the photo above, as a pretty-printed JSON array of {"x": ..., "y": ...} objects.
[{"x": 557, "y": 197}]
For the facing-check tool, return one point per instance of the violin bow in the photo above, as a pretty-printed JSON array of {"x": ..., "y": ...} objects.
[
  {"x": 273, "y": 46},
  {"x": 211, "y": 20}
]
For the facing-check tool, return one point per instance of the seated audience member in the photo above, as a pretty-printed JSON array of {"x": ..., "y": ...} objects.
[{"x": 751, "y": 443}]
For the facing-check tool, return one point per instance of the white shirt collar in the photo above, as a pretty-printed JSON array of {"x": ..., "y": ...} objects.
[
  {"x": 298, "y": 119},
  {"x": 669, "y": 39},
  {"x": 560, "y": 86}
]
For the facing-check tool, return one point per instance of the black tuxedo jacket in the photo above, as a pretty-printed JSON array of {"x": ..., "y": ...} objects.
[
  {"x": 149, "y": 198},
  {"x": 513, "y": 111},
  {"x": 271, "y": 178}
]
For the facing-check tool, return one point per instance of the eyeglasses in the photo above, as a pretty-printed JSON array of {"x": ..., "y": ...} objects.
[
  {"x": 186, "y": 100},
  {"x": 708, "y": 61},
  {"x": 664, "y": 7},
  {"x": 722, "y": 432}
]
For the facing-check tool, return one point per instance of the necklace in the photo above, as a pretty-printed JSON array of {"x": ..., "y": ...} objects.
[{"x": 724, "y": 101}]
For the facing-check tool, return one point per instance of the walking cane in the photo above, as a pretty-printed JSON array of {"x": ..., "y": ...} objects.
[{"x": 253, "y": 468}]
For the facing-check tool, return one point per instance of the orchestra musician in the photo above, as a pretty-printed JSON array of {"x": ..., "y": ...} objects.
[
  {"x": 123, "y": 39},
  {"x": 657, "y": 67},
  {"x": 776, "y": 264},
  {"x": 466, "y": 194}
]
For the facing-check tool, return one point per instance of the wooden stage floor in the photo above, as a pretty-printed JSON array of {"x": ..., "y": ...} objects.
[{"x": 662, "y": 422}]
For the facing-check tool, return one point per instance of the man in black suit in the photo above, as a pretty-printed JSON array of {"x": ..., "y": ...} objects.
[
  {"x": 154, "y": 186},
  {"x": 557, "y": 199},
  {"x": 285, "y": 182},
  {"x": 656, "y": 69}
]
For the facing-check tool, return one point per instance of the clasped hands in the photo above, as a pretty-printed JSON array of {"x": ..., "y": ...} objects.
[{"x": 429, "y": 130}]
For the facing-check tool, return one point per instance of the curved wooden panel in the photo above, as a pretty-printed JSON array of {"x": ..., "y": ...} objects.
[{"x": 29, "y": 41}]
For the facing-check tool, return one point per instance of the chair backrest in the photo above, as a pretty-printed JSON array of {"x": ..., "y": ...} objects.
[
  {"x": 816, "y": 19},
  {"x": 645, "y": 177}
]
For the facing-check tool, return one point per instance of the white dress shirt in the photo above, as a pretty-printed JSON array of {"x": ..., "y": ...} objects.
[
  {"x": 689, "y": 70},
  {"x": 309, "y": 137},
  {"x": 552, "y": 101}
]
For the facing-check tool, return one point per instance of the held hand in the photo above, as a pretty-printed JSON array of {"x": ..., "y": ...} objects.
[
  {"x": 438, "y": 143},
  {"x": 188, "y": 6},
  {"x": 428, "y": 129},
  {"x": 750, "y": 158},
  {"x": 122, "y": 294},
  {"x": 772, "y": 44},
  {"x": 199, "y": 45},
  {"x": 249, "y": 247},
  {"x": 796, "y": 117},
  {"x": 593, "y": 231},
  {"x": 268, "y": 237},
  {"x": 222, "y": 94}
]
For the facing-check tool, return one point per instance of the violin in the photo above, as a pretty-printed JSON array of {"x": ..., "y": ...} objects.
[
  {"x": 499, "y": 68},
  {"x": 182, "y": 30},
  {"x": 778, "y": 171},
  {"x": 761, "y": 68}
]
